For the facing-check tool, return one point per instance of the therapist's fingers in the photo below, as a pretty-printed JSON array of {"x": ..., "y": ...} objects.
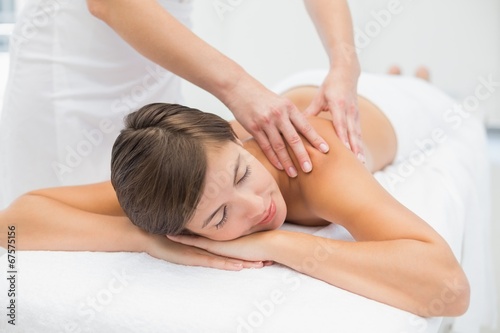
[
  {"x": 345, "y": 118},
  {"x": 272, "y": 142},
  {"x": 354, "y": 132},
  {"x": 303, "y": 126},
  {"x": 340, "y": 122},
  {"x": 274, "y": 121},
  {"x": 268, "y": 149},
  {"x": 317, "y": 105},
  {"x": 274, "y": 147}
]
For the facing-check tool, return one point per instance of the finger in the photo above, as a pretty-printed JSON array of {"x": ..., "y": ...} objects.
[
  {"x": 243, "y": 263},
  {"x": 354, "y": 133},
  {"x": 294, "y": 140},
  {"x": 268, "y": 150},
  {"x": 304, "y": 127},
  {"x": 315, "y": 107},
  {"x": 278, "y": 148},
  {"x": 208, "y": 259},
  {"x": 213, "y": 261},
  {"x": 253, "y": 264},
  {"x": 339, "y": 123},
  {"x": 199, "y": 242}
]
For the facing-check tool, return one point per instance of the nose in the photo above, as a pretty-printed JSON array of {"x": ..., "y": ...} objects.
[{"x": 252, "y": 205}]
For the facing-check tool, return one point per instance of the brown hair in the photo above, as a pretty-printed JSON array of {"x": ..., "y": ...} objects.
[{"x": 159, "y": 161}]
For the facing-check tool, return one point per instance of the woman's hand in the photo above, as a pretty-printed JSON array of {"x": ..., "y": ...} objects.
[
  {"x": 337, "y": 94},
  {"x": 163, "y": 248},
  {"x": 272, "y": 119},
  {"x": 251, "y": 248}
]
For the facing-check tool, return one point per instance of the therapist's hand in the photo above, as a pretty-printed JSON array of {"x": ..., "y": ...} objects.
[
  {"x": 338, "y": 95},
  {"x": 272, "y": 120}
]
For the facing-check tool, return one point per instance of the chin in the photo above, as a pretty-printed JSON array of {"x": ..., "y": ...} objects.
[{"x": 278, "y": 220}]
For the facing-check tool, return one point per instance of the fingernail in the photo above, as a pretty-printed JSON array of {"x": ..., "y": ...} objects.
[
  {"x": 324, "y": 148},
  {"x": 280, "y": 166},
  {"x": 306, "y": 167},
  {"x": 362, "y": 158},
  {"x": 347, "y": 145},
  {"x": 292, "y": 172},
  {"x": 237, "y": 265}
]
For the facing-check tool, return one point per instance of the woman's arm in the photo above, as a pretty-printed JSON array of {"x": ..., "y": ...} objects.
[
  {"x": 79, "y": 218},
  {"x": 99, "y": 198},
  {"x": 397, "y": 258},
  {"x": 89, "y": 218}
]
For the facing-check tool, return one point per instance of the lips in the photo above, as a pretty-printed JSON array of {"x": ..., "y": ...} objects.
[{"x": 269, "y": 214}]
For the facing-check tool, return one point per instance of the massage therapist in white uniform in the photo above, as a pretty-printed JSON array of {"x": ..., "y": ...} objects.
[{"x": 77, "y": 67}]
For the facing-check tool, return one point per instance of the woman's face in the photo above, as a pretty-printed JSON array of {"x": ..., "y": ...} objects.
[{"x": 240, "y": 196}]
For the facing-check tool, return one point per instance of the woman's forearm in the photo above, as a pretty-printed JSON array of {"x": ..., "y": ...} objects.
[
  {"x": 407, "y": 274},
  {"x": 43, "y": 223}
]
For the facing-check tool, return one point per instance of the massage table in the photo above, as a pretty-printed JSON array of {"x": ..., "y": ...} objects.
[{"x": 443, "y": 181}]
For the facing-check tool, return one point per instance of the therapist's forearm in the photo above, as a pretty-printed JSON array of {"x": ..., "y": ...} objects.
[
  {"x": 333, "y": 22},
  {"x": 157, "y": 35}
]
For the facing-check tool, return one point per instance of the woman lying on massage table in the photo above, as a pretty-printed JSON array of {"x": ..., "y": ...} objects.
[{"x": 180, "y": 172}]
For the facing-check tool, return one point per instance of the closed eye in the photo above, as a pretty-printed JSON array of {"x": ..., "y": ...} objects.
[
  {"x": 248, "y": 171},
  {"x": 223, "y": 220}
]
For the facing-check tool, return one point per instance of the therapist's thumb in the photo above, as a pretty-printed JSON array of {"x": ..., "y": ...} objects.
[{"x": 314, "y": 108}]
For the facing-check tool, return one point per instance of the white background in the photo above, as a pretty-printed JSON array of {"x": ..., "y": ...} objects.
[{"x": 459, "y": 40}]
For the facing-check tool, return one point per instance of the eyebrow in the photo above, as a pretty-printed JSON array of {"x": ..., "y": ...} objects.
[{"x": 236, "y": 167}]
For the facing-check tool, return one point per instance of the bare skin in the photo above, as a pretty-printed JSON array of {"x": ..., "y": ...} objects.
[
  {"x": 272, "y": 119},
  {"x": 379, "y": 138},
  {"x": 341, "y": 190},
  {"x": 394, "y": 248}
]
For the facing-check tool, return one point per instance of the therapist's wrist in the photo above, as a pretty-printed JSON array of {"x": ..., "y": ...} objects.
[
  {"x": 344, "y": 75},
  {"x": 237, "y": 90},
  {"x": 345, "y": 58}
]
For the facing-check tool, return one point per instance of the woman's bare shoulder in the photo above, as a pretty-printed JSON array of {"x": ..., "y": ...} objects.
[
  {"x": 338, "y": 179},
  {"x": 338, "y": 151},
  {"x": 98, "y": 198}
]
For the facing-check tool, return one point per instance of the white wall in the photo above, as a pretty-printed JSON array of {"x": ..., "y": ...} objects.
[{"x": 459, "y": 40}]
